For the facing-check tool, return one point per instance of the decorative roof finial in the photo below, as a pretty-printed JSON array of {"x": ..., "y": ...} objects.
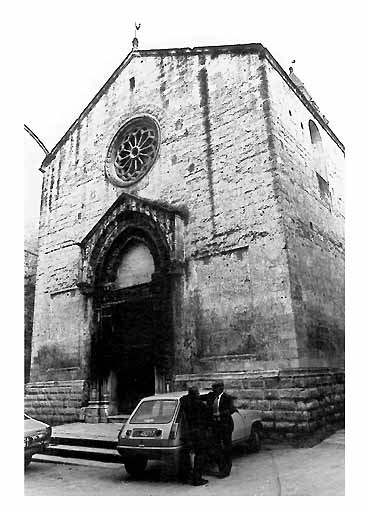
[{"x": 135, "y": 40}]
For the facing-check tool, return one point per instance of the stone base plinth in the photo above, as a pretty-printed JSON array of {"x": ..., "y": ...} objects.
[
  {"x": 96, "y": 412},
  {"x": 55, "y": 402},
  {"x": 294, "y": 403}
]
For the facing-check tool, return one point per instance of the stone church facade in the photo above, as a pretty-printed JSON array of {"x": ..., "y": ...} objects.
[{"x": 192, "y": 229}]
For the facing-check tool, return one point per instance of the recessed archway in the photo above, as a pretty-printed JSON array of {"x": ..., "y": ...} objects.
[
  {"x": 132, "y": 303},
  {"x": 136, "y": 266},
  {"x": 131, "y": 265}
]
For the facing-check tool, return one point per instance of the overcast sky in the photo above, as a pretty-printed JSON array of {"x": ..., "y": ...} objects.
[{"x": 72, "y": 47}]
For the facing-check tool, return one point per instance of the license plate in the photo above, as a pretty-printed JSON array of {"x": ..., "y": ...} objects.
[{"x": 143, "y": 433}]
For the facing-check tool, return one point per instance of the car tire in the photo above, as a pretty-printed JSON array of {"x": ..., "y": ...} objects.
[
  {"x": 135, "y": 466},
  {"x": 254, "y": 441}
]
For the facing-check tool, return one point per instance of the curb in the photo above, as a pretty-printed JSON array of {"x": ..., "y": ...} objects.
[{"x": 53, "y": 459}]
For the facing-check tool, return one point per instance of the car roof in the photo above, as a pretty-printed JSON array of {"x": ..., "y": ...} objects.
[{"x": 171, "y": 395}]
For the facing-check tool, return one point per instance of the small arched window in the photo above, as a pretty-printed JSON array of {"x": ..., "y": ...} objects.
[
  {"x": 318, "y": 152},
  {"x": 319, "y": 163},
  {"x": 315, "y": 137},
  {"x": 136, "y": 266}
]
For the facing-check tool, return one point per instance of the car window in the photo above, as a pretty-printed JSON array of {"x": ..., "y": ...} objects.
[{"x": 155, "y": 411}]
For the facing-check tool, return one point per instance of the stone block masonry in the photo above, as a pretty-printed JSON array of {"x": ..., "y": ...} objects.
[
  {"x": 30, "y": 266},
  {"x": 256, "y": 294},
  {"x": 313, "y": 225},
  {"x": 214, "y": 162},
  {"x": 56, "y": 402},
  {"x": 293, "y": 403}
]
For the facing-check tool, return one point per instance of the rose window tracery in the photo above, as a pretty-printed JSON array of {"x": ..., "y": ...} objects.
[{"x": 135, "y": 149}]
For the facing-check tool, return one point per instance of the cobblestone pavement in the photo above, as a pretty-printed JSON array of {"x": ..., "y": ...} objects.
[{"x": 313, "y": 471}]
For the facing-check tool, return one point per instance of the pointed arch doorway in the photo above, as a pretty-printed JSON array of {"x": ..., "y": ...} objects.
[
  {"x": 131, "y": 274},
  {"x": 129, "y": 329},
  {"x": 133, "y": 351}
]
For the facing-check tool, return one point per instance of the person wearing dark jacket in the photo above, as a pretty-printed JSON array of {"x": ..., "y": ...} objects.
[
  {"x": 220, "y": 408},
  {"x": 196, "y": 435}
]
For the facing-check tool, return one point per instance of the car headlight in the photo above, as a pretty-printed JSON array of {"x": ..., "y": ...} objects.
[{"x": 42, "y": 435}]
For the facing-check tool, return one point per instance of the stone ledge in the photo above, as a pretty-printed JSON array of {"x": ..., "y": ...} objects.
[
  {"x": 228, "y": 357},
  {"x": 282, "y": 373},
  {"x": 46, "y": 384},
  {"x": 213, "y": 376}
]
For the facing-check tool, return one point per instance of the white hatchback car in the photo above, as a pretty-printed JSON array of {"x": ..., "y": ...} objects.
[{"x": 155, "y": 431}]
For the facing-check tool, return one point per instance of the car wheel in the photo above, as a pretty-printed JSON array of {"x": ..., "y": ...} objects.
[
  {"x": 135, "y": 466},
  {"x": 254, "y": 441}
]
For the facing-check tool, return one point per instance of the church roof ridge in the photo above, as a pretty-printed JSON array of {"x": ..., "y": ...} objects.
[
  {"x": 219, "y": 48},
  {"x": 247, "y": 48}
]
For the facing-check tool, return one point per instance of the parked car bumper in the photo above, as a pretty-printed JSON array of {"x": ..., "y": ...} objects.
[
  {"x": 170, "y": 453},
  {"x": 34, "y": 447}
]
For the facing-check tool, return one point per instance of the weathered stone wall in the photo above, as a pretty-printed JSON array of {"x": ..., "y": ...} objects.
[
  {"x": 242, "y": 307},
  {"x": 293, "y": 402},
  {"x": 61, "y": 342},
  {"x": 56, "y": 402},
  {"x": 30, "y": 269},
  {"x": 214, "y": 161},
  {"x": 314, "y": 224},
  {"x": 261, "y": 287}
]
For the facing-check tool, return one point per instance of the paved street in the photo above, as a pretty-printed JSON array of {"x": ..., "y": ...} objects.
[{"x": 313, "y": 471}]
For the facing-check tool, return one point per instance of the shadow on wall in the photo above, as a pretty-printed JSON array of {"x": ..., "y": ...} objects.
[
  {"x": 221, "y": 336},
  {"x": 325, "y": 338},
  {"x": 54, "y": 357}
]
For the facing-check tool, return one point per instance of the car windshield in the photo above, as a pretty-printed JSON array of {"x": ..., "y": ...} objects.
[{"x": 155, "y": 411}]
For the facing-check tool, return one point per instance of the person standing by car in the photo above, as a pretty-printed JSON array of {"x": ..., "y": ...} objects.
[
  {"x": 196, "y": 436},
  {"x": 220, "y": 408}
]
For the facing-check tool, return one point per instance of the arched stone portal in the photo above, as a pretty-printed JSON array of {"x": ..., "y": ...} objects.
[
  {"x": 134, "y": 317},
  {"x": 128, "y": 273}
]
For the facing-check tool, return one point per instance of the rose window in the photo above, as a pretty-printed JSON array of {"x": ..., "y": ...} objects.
[{"x": 135, "y": 149}]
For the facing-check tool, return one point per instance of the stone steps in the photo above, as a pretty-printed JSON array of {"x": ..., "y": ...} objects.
[
  {"x": 55, "y": 459},
  {"x": 93, "y": 443},
  {"x": 119, "y": 418},
  {"x": 83, "y": 442},
  {"x": 101, "y": 454}
]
